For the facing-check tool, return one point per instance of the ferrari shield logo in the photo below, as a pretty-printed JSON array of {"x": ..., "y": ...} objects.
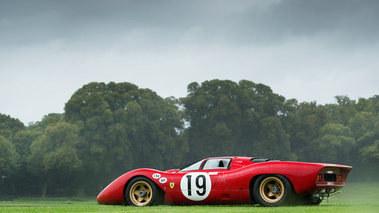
[{"x": 172, "y": 185}]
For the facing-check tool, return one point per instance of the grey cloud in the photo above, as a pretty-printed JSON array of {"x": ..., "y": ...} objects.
[
  {"x": 349, "y": 21},
  {"x": 294, "y": 46},
  {"x": 246, "y": 23}
]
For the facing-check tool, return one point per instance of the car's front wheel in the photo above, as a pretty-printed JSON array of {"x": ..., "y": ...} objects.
[
  {"x": 272, "y": 190},
  {"x": 141, "y": 191}
]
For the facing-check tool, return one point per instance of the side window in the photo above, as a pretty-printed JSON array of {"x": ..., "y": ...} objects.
[{"x": 216, "y": 164}]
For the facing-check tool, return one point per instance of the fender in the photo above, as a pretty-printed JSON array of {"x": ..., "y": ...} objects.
[{"x": 114, "y": 193}]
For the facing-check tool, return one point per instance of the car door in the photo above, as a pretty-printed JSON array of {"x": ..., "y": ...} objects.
[{"x": 204, "y": 184}]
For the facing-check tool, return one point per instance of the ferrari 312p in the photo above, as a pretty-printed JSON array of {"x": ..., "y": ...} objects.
[{"x": 229, "y": 180}]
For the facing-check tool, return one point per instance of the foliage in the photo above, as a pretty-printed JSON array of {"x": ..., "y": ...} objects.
[
  {"x": 334, "y": 142},
  {"x": 124, "y": 127},
  {"x": 8, "y": 153},
  {"x": 9, "y": 126},
  {"x": 108, "y": 129},
  {"x": 54, "y": 154},
  {"x": 8, "y": 157},
  {"x": 228, "y": 118}
]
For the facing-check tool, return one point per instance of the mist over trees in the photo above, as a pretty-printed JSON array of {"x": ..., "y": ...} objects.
[{"x": 109, "y": 129}]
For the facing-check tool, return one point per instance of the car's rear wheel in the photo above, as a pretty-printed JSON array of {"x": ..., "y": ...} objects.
[
  {"x": 272, "y": 190},
  {"x": 141, "y": 191}
]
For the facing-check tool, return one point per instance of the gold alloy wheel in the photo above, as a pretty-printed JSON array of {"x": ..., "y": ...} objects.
[
  {"x": 140, "y": 193},
  {"x": 271, "y": 189}
]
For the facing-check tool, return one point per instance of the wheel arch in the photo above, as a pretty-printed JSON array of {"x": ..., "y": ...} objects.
[{"x": 134, "y": 177}]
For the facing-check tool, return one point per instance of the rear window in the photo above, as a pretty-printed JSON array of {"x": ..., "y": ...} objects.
[{"x": 216, "y": 164}]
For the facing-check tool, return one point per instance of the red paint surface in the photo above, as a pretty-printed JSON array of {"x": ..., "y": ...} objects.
[{"x": 229, "y": 186}]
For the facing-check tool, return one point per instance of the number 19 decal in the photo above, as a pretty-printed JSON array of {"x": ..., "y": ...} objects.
[{"x": 196, "y": 186}]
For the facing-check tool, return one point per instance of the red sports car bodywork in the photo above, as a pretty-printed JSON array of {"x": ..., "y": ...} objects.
[{"x": 228, "y": 180}]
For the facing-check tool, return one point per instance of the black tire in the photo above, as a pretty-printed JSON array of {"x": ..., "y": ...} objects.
[
  {"x": 141, "y": 191},
  {"x": 272, "y": 190}
]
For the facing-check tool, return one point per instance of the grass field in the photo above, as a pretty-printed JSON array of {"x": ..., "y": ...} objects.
[{"x": 356, "y": 197}]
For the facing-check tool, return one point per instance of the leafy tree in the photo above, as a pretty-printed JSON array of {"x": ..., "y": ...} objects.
[
  {"x": 371, "y": 150},
  {"x": 8, "y": 162},
  {"x": 261, "y": 110},
  {"x": 88, "y": 109},
  {"x": 335, "y": 142},
  {"x": 9, "y": 158},
  {"x": 302, "y": 123},
  {"x": 342, "y": 112},
  {"x": 273, "y": 141},
  {"x": 227, "y": 118},
  {"x": 22, "y": 181},
  {"x": 55, "y": 155},
  {"x": 9, "y": 126},
  {"x": 124, "y": 127},
  {"x": 366, "y": 155},
  {"x": 365, "y": 128},
  {"x": 361, "y": 123},
  {"x": 214, "y": 116},
  {"x": 108, "y": 129}
]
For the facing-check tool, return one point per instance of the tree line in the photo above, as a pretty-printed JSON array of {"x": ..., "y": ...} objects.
[{"x": 109, "y": 129}]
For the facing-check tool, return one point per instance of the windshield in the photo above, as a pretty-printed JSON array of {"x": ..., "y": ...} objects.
[{"x": 194, "y": 166}]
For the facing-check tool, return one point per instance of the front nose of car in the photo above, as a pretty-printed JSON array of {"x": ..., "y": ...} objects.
[{"x": 101, "y": 198}]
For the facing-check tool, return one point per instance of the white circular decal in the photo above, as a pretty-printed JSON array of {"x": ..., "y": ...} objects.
[
  {"x": 163, "y": 180},
  {"x": 196, "y": 186},
  {"x": 156, "y": 175}
]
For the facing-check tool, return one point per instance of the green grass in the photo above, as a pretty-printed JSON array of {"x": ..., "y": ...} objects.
[{"x": 356, "y": 197}]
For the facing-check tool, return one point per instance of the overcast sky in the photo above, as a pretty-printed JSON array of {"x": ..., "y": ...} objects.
[{"x": 307, "y": 50}]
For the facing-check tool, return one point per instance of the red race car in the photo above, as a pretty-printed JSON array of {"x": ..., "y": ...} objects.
[{"x": 229, "y": 180}]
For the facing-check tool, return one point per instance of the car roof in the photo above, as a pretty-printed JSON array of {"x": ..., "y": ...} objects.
[{"x": 233, "y": 157}]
